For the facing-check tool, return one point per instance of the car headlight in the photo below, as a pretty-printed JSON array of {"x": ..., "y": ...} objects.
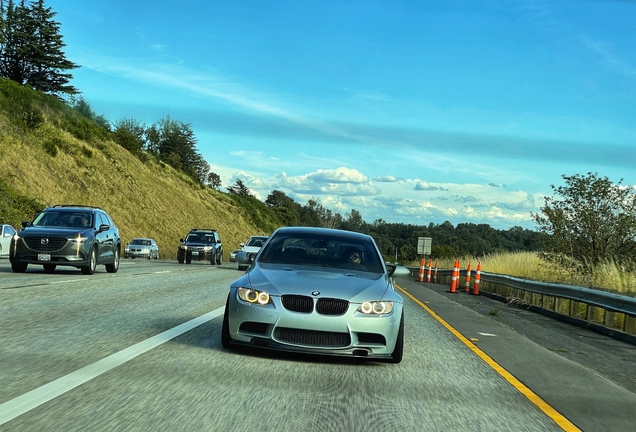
[
  {"x": 184, "y": 247},
  {"x": 254, "y": 296},
  {"x": 376, "y": 307},
  {"x": 207, "y": 248},
  {"x": 79, "y": 239}
]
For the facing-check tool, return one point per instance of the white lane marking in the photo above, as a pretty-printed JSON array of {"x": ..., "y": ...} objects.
[
  {"x": 26, "y": 402},
  {"x": 164, "y": 271},
  {"x": 486, "y": 334},
  {"x": 68, "y": 281}
]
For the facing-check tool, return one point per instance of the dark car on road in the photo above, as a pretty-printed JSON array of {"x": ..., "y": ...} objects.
[
  {"x": 201, "y": 245},
  {"x": 67, "y": 235}
]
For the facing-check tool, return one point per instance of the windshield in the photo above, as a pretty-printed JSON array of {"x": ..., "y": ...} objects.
[
  {"x": 200, "y": 238},
  {"x": 324, "y": 251},
  {"x": 140, "y": 242},
  {"x": 64, "y": 219},
  {"x": 256, "y": 241}
]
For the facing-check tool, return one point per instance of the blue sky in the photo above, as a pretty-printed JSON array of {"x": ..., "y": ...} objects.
[{"x": 408, "y": 111}]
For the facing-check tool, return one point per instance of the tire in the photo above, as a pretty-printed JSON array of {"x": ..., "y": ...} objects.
[
  {"x": 19, "y": 267},
  {"x": 49, "y": 268},
  {"x": 188, "y": 260},
  {"x": 92, "y": 263},
  {"x": 241, "y": 268},
  {"x": 398, "y": 352},
  {"x": 226, "y": 340},
  {"x": 112, "y": 268},
  {"x": 180, "y": 259},
  {"x": 219, "y": 259}
]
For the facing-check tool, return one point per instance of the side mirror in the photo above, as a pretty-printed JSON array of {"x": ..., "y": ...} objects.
[
  {"x": 391, "y": 269},
  {"x": 103, "y": 227},
  {"x": 25, "y": 224}
]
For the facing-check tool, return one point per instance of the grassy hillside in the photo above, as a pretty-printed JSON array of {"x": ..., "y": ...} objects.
[{"x": 51, "y": 155}]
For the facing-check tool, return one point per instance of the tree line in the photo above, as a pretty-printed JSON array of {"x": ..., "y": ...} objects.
[{"x": 590, "y": 218}]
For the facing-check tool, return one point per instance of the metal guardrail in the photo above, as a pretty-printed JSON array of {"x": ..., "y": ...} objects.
[
  {"x": 606, "y": 300},
  {"x": 602, "y": 310}
]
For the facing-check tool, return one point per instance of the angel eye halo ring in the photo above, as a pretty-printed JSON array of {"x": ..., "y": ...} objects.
[
  {"x": 376, "y": 307},
  {"x": 254, "y": 296}
]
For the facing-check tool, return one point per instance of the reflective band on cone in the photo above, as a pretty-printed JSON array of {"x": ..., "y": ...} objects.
[{"x": 428, "y": 275}]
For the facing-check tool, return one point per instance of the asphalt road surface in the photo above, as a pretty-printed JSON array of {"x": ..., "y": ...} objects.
[{"x": 140, "y": 350}]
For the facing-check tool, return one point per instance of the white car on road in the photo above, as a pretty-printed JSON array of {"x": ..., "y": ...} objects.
[
  {"x": 6, "y": 232},
  {"x": 251, "y": 248}
]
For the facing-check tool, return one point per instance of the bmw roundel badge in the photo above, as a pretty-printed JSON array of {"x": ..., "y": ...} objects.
[{"x": 315, "y": 293}]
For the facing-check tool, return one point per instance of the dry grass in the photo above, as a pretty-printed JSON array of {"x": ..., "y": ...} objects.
[
  {"x": 529, "y": 265},
  {"x": 145, "y": 199}
]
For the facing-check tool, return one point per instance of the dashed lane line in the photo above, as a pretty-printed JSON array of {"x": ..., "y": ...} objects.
[{"x": 33, "y": 399}]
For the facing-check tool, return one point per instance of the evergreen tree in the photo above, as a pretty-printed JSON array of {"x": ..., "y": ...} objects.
[
  {"x": 31, "y": 48},
  {"x": 239, "y": 188}
]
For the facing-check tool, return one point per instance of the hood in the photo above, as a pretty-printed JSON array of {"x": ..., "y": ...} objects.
[
  {"x": 353, "y": 286},
  {"x": 251, "y": 249},
  {"x": 53, "y": 232}
]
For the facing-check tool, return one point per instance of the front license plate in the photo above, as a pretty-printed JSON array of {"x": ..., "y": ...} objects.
[
  {"x": 44, "y": 257},
  {"x": 195, "y": 253}
]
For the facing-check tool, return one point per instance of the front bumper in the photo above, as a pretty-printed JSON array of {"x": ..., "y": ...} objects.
[
  {"x": 137, "y": 254},
  {"x": 352, "y": 334},
  {"x": 73, "y": 258}
]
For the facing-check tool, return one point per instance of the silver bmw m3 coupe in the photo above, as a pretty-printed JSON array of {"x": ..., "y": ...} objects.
[{"x": 317, "y": 291}]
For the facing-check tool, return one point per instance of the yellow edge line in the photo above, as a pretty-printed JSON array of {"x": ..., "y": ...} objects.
[{"x": 557, "y": 417}]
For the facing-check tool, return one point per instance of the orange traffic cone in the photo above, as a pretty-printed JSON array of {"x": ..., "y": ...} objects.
[
  {"x": 428, "y": 275},
  {"x": 422, "y": 265},
  {"x": 435, "y": 273},
  {"x": 477, "y": 278},
  {"x": 467, "y": 283},
  {"x": 455, "y": 278}
]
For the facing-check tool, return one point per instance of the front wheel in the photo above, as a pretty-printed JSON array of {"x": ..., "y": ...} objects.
[
  {"x": 226, "y": 340},
  {"x": 19, "y": 267},
  {"x": 49, "y": 268},
  {"x": 398, "y": 352},
  {"x": 219, "y": 259},
  {"x": 92, "y": 263}
]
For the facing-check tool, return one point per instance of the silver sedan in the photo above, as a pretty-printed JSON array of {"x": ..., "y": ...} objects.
[
  {"x": 317, "y": 291},
  {"x": 141, "y": 248}
]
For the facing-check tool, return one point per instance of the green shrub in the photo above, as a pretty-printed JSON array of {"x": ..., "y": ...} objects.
[
  {"x": 87, "y": 152},
  {"x": 50, "y": 146}
]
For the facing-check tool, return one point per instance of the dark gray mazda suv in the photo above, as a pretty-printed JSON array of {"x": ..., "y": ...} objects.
[{"x": 67, "y": 235}]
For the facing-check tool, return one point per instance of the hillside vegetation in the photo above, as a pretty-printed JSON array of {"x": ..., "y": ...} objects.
[{"x": 49, "y": 154}]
